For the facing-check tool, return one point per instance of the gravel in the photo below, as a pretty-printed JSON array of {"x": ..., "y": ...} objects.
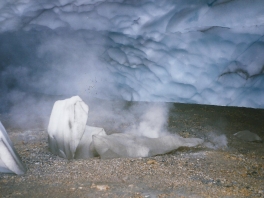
[{"x": 235, "y": 171}]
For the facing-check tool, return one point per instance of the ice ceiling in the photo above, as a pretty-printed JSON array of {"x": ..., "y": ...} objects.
[{"x": 195, "y": 51}]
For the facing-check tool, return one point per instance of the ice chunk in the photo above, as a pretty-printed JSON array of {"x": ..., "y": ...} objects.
[
  {"x": 246, "y": 135},
  {"x": 128, "y": 145},
  {"x": 10, "y": 161},
  {"x": 85, "y": 148},
  {"x": 67, "y": 126},
  {"x": 69, "y": 137}
]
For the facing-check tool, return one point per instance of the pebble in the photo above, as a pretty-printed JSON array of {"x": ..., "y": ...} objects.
[
  {"x": 100, "y": 187},
  {"x": 151, "y": 162}
]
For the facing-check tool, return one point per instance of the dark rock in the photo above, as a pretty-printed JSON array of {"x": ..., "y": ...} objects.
[{"x": 248, "y": 136}]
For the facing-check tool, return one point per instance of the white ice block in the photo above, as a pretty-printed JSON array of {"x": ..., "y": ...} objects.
[
  {"x": 127, "y": 145},
  {"x": 10, "y": 161},
  {"x": 67, "y": 126},
  {"x": 86, "y": 148}
]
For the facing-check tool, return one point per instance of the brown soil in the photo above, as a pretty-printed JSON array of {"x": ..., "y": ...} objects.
[{"x": 235, "y": 171}]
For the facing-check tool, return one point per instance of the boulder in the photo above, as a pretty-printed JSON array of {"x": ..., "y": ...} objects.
[{"x": 248, "y": 136}]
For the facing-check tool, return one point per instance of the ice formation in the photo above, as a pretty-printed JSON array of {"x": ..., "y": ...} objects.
[
  {"x": 195, "y": 51},
  {"x": 129, "y": 145},
  {"x": 86, "y": 148},
  {"x": 70, "y": 138},
  {"x": 10, "y": 161}
]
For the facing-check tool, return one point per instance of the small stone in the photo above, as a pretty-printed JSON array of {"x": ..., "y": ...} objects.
[
  {"x": 229, "y": 185},
  {"x": 147, "y": 195},
  {"x": 124, "y": 179},
  {"x": 151, "y": 162},
  {"x": 100, "y": 187}
]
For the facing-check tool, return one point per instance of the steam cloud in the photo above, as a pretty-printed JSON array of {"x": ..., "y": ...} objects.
[
  {"x": 153, "y": 121},
  {"x": 143, "y": 119},
  {"x": 216, "y": 141}
]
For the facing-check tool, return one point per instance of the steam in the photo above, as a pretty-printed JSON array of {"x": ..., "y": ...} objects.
[
  {"x": 37, "y": 69},
  {"x": 146, "y": 119},
  {"x": 153, "y": 122},
  {"x": 28, "y": 110},
  {"x": 215, "y": 141}
]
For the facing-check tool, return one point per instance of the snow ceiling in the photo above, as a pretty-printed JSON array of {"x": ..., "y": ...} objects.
[{"x": 195, "y": 51}]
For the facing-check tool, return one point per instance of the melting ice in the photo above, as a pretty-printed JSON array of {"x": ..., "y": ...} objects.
[{"x": 70, "y": 138}]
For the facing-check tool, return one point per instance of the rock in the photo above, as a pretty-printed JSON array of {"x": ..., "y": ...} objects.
[
  {"x": 128, "y": 145},
  {"x": 100, "y": 187},
  {"x": 10, "y": 161},
  {"x": 151, "y": 162},
  {"x": 248, "y": 136}
]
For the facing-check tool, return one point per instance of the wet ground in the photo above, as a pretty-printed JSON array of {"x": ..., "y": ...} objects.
[{"x": 233, "y": 171}]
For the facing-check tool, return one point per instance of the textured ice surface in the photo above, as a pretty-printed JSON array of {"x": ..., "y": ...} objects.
[
  {"x": 10, "y": 161},
  {"x": 128, "y": 145},
  {"x": 195, "y": 51},
  {"x": 67, "y": 126},
  {"x": 246, "y": 135}
]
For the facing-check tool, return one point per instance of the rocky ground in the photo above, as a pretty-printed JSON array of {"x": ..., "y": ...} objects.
[{"x": 234, "y": 171}]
